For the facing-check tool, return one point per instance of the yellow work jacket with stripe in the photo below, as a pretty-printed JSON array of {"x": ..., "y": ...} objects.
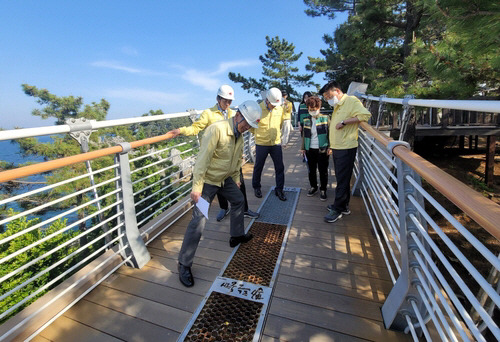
[
  {"x": 269, "y": 131},
  {"x": 207, "y": 117},
  {"x": 287, "y": 110},
  {"x": 219, "y": 157},
  {"x": 347, "y": 137}
]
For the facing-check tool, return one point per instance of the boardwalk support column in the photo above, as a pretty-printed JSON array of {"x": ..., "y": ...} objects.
[
  {"x": 136, "y": 246},
  {"x": 398, "y": 302}
]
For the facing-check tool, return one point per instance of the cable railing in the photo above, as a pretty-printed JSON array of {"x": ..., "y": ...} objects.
[
  {"x": 442, "y": 290},
  {"x": 89, "y": 223}
]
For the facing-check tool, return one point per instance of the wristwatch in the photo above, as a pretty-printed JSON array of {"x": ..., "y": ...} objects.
[{"x": 342, "y": 122}]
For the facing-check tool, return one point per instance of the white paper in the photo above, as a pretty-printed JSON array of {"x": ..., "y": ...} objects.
[{"x": 203, "y": 206}]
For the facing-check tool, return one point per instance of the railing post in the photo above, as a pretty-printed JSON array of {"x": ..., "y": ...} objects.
[
  {"x": 405, "y": 117},
  {"x": 381, "y": 109},
  {"x": 404, "y": 291},
  {"x": 136, "y": 246}
]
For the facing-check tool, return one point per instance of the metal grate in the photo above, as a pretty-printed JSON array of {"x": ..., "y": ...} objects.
[
  {"x": 225, "y": 318},
  {"x": 254, "y": 262},
  {"x": 276, "y": 211}
]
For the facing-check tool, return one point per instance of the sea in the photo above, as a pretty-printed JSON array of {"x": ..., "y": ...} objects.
[{"x": 10, "y": 151}]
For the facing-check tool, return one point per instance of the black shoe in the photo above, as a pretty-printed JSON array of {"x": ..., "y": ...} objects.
[
  {"x": 185, "y": 275},
  {"x": 236, "y": 240},
  {"x": 223, "y": 213},
  {"x": 257, "y": 193},
  {"x": 251, "y": 214},
  {"x": 280, "y": 194},
  {"x": 312, "y": 191},
  {"x": 322, "y": 195}
]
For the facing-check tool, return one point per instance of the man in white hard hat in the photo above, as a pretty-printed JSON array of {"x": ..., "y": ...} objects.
[
  {"x": 268, "y": 141},
  {"x": 221, "y": 111},
  {"x": 217, "y": 171}
]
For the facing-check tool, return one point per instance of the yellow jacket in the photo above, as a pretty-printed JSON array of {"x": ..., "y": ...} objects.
[
  {"x": 347, "y": 137},
  {"x": 219, "y": 156},
  {"x": 207, "y": 117},
  {"x": 287, "y": 110},
  {"x": 269, "y": 131}
]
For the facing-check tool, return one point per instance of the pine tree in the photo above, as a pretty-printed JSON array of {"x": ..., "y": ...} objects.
[{"x": 277, "y": 70}]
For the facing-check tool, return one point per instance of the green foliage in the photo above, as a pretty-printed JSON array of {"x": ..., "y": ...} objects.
[
  {"x": 432, "y": 49},
  {"x": 277, "y": 70},
  {"x": 6, "y": 249},
  {"x": 66, "y": 107}
]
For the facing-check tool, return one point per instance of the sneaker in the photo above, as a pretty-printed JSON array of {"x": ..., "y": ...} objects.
[
  {"x": 312, "y": 191},
  {"x": 344, "y": 212},
  {"x": 223, "y": 213},
  {"x": 251, "y": 214},
  {"x": 322, "y": 195},
  {"x": 332, "y": 216}
]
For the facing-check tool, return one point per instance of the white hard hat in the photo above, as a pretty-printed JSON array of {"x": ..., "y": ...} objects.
[
  {"x": 226, "y": 91},
  {"x": 251, "y": 112},
  {"x": 274, "y": 96}
]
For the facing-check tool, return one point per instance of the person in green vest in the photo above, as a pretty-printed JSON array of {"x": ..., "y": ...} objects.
[{"x": 315, "y": 146}]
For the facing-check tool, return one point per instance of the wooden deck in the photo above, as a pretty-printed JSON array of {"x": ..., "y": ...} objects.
[{"x": 331, "y": 284}]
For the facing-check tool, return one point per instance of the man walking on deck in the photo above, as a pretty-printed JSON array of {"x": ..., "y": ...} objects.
[
  {"x": 343, "y": 135},
  {"x": 268, "y": 141},
  {"x": 221, "y": 111},
  {"x": 217, "y": 171}
]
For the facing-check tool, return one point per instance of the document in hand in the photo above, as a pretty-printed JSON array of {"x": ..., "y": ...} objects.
[{"x": 203, "y": 205}]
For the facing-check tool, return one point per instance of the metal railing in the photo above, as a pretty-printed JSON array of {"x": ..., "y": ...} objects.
[
  {"x": 99, "y": 220},
  {"x": 439, "y": 292}
]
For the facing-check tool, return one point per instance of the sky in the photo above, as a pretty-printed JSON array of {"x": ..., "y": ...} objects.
[{"x": 143, "y": 55}]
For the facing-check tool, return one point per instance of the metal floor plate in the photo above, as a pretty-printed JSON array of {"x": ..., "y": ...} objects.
[{"x": 235, "y": 307}]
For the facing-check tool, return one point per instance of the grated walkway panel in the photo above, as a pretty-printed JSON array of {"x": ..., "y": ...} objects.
[{"x": 235, "y": 307}]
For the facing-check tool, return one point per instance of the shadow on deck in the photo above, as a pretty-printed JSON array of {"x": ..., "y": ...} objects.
[{"x": 330, "y": 287}]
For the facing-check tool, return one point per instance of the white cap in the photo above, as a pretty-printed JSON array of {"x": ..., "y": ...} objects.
[
  {"x": 226, "y": 92},
  {"x": 251, "y": 112},
  {"x": 274, "y": 96}
]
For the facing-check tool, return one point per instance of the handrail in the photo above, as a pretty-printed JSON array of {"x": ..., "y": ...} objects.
[
  {"x": 472, "y": 105},
  {"x": 485, "y": 212},
  {"x": 90, "y": 125},
  {"x": 30, "y": 170}
]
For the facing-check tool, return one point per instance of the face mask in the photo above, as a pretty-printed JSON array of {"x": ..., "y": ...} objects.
[
  {"x": 333, "y": 101},
  {"x": 314, "y": 113}
]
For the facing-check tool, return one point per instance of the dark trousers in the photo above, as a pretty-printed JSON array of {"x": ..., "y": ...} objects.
[
  {"x": 261, "y": 153},
  {"x": 317, "y": 160},
  {"x": 223, "y": 202},
  {"x": 343, "y": 162},
  {"x": 195, "y": 227}
]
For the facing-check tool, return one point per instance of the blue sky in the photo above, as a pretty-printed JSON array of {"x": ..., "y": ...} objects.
[{"x": 142, "y": 55}]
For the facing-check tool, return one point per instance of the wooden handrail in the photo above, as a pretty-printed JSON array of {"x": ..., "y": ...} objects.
[
  {"x": 482, "y": 210},
  {"x": 30, "y": 170}
]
